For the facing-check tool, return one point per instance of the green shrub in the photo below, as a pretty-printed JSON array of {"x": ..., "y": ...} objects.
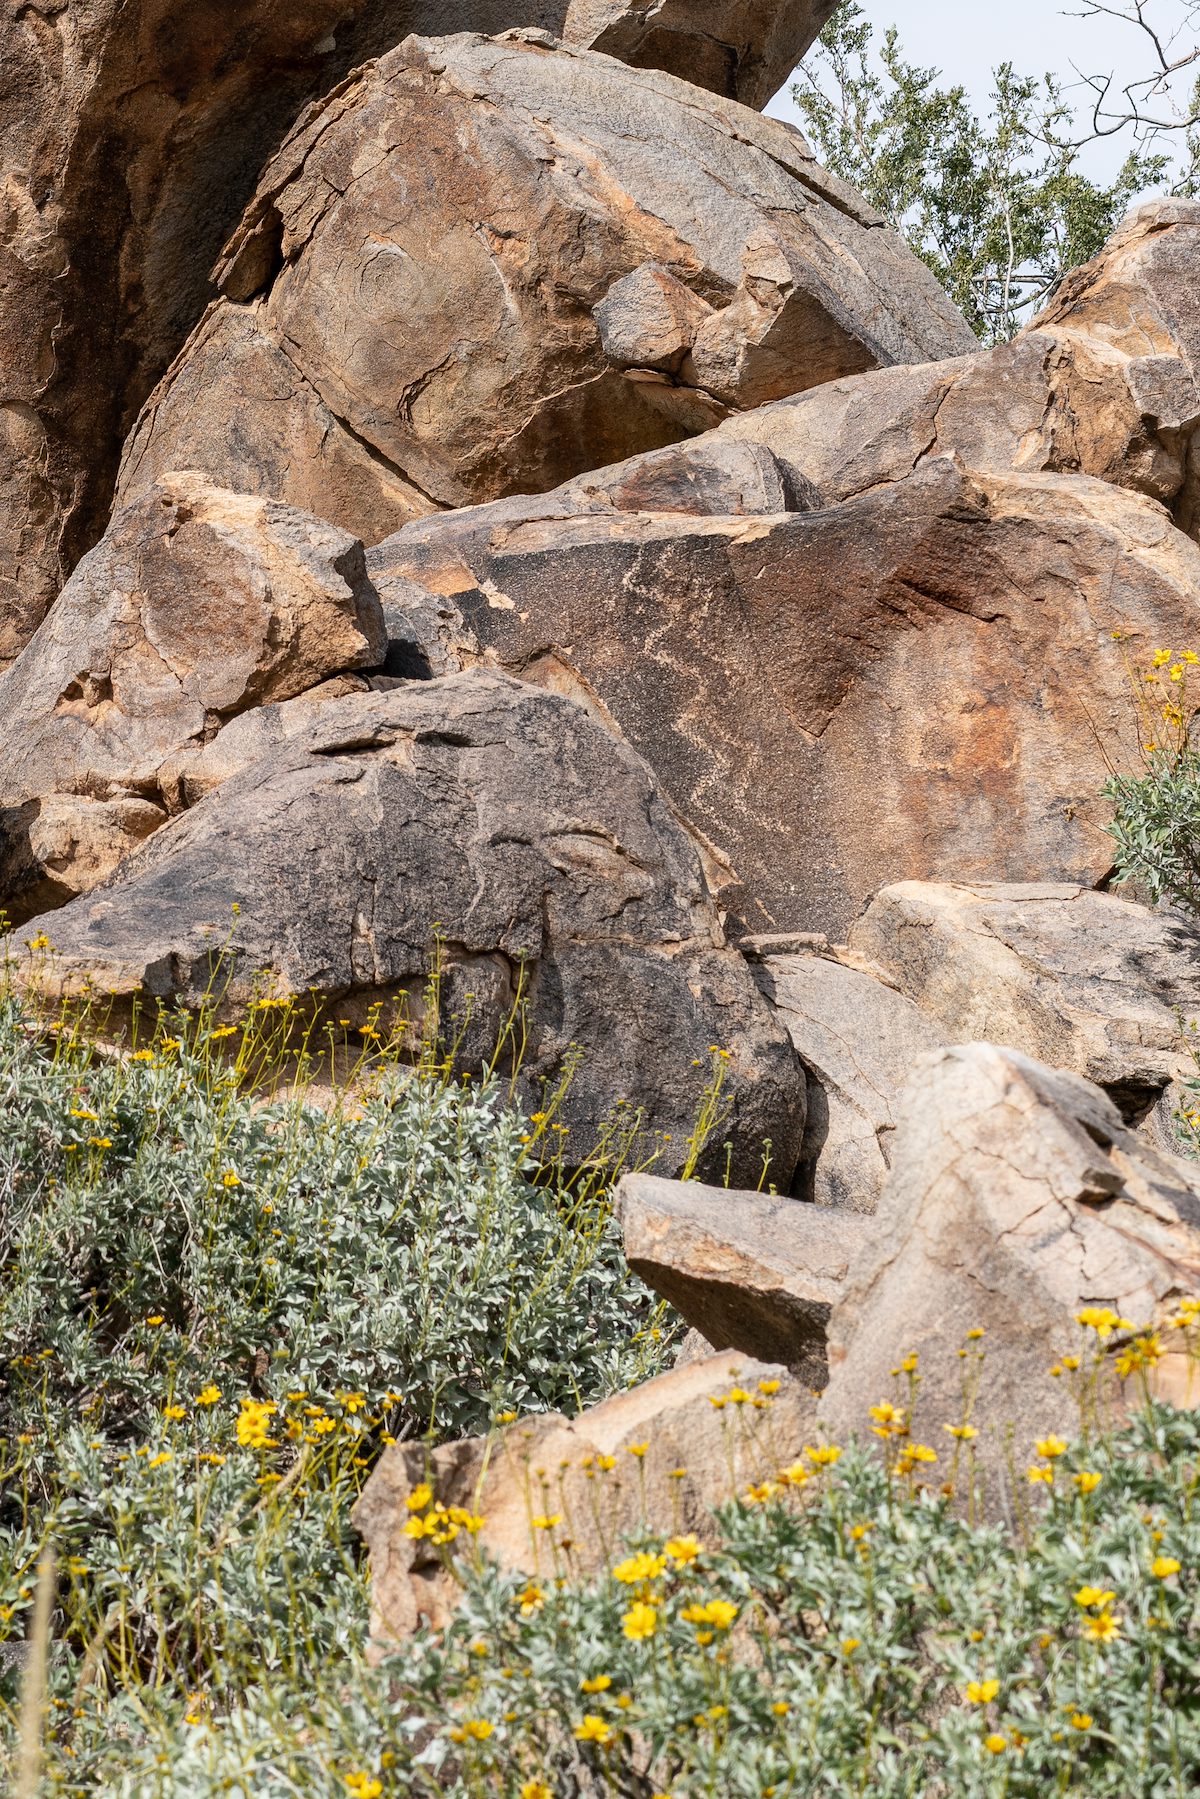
[
  {"x": 207, "y": 1295},
  {"x": 1156, "y": 813}
]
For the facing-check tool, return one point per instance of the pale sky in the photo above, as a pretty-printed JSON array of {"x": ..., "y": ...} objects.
[{"x": 966, "y": 39}]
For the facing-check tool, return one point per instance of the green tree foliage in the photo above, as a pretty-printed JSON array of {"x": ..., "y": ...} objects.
[{"x": 998, "y": 206}]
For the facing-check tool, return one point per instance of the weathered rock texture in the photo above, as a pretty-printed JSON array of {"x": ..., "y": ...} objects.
[
  {"x": 750, "y": 1271},
  {"x": 858, "y": 1039},
  {"x": 1017, "y": 1197},
  {"x": 918, "y": 682},
  {"x": 131, "y": 136},
  {"x": 196, "y": 606},
  {"x": 518, "y": 827},
  {"x": 1078, "y": 979},
  {"x": 1105, "y": 384},
  {"x": 485, "y": 265},
  {"x": 551, "y": 1465}
]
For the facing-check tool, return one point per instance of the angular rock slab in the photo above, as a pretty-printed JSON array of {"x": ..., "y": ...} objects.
[
  {"x": 858, "y": 1039},
  {"x": 918, "y": 682},
  {"x": 103, "y": 272},
  {"x": 1017, "y": 1197},
  {"x": 1078, "y": 979},
  {"x": 750, "y": 1271},
  {"x": 550, "y": 1464},
  {"x": 197, "y": 605},
  {"x": 537, "y": 846},
  {"x": 485, "y": 265},
  {"x": 1078, "y": 392}
]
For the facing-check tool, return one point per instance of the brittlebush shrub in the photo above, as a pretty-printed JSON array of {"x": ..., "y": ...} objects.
[{"x": 214, "y": 1313}]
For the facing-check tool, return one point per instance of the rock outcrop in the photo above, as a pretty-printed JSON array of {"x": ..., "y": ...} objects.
[
  {"x": 512, "y": 825},
  {"x": 487, "y": 264},
  {"x": 131, "y": 136},
  {"x": 919, "y": 682},
  {"x": 197, "y": 605},
  {"x": 858, "y": 1039},
  {"x": 1017, "y": 1199},
  {"x": 661, "y": 1457},
  {"x": 749, "y": 1271},
  {"x": 1078, "y": 979}
]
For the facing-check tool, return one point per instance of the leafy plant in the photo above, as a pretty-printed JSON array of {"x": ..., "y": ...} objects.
[{"x": 998, "y": 206}]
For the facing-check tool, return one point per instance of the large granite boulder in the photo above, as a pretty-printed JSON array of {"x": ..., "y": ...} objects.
[
  {"x": 1079, "y": 979},
  {"x": 658, "y": 1459},
  {"x": 487, "y": 264},
  {"x": 535, "y": 846},
  {"x": 919, "y": 682},
  {"x": 1080, "y": 391},
  {"x": 196, "y": 606},
  {"x": 132, "y": 133},
  {"x": 1017, "y": 1200}
]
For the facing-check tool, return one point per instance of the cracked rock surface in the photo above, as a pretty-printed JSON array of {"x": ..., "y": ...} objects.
[
  {"x": 1079, "y": 979},
  {"x": 485, "y": 265},
  {"x": 1017, "y": 1197},
  {"x": 516, "y": 826},
  {"x": 197, "y": 606},
  {"x": 132, "y": 133},
  {"x": 919, "y": 682}
]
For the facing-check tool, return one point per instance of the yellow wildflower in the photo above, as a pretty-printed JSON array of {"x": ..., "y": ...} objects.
[
  {"x": 683, "y": 1551},
  {"x": 593, "y": 1730},
  {"x": 1050, "y": 1447},
  {"x": 1093, "y": 1598},
  {"x": 599, "y": 1683},
  {"x": 824, "y": 1455},
  {"x": 420, "y": 1497},
  {"x": 964, "y": 1432},
  {"x": 1163, "y": 1566},
  {"x": 982, "y": 1692},
  {"x": 1086, "y": 1480},
  {"x": 637, "y": 1569},
  {"x": 640, "y": 1621},
  {"x": 1104, "y": 1628},
  {"x": 1082, "y": 1720},
  {"x": 209, "y": 1395},
  {"x": 542, "y": 1522},
  {"x": 994, "y": 1743},
  {"x": 720, "y": 1613},
  {"x": 173, "y": 1413}
]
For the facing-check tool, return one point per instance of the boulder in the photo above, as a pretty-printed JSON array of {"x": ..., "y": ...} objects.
[
  {"x": 131, "y": 136},
  {"x": 750, "y": 1271},
  {"x": 484, "y": 265},
  {"x": 197, "y": 605},
  {"x": 918, "y": 682},
  {"x": 1075, "y": 393},
  {"x": 508, "y": 824},
  {"x": 1017, "y": 1198},
  {"x": 1079, "y": 979},
  {"x": 657, "y": 1459},
  {"x": 858, "y": 1039}
]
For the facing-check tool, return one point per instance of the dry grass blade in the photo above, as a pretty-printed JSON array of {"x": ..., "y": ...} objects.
[{"x": 33, "y": 1686}]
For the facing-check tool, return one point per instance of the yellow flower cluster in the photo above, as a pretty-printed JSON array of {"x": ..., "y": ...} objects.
[
  {"x": 254, "y": 1424},
  {"x": 437, "y": 1523}
]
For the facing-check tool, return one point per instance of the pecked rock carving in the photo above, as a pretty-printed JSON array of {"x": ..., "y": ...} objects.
[
  {"x": 484, "y": 265},
  {"x": 538, "y": 845},
  {"x": 132, "y": 133}
]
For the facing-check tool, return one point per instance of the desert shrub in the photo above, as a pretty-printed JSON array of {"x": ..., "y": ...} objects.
[
  {"x": 208, "y": 1294},
  {"x": 1156, "y": 812},
  {"x": 191, "y": 1404}
]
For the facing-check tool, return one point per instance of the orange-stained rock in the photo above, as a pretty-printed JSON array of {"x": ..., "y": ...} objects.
[
  {"x": 582, "y": 1472},
  {"x": 485, "y": 265},
  {"x": 918, "y": 683},
  {"x": 197, "y": 606}
]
